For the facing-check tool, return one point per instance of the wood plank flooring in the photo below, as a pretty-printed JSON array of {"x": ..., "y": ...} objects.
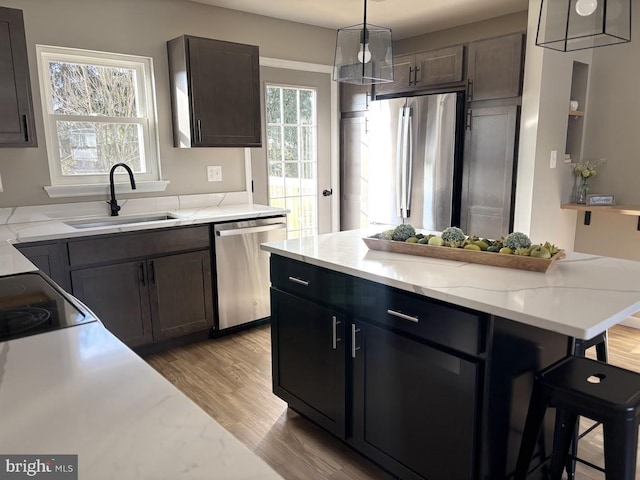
[{"x": 230, "y": 378}]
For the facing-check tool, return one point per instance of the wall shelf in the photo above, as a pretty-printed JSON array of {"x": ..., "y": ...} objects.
[
  {"x": 618, "y": 209},
  {"x": 576, "y": 113}
]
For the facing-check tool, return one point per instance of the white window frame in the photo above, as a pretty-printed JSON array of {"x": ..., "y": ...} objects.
[{"x": 80, "y": 185}]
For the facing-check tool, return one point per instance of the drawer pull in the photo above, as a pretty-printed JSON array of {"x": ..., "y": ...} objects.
[
  {"x": 298, "y": 281},
  {"x": 334, "y": 325},
  {"x": 403, "y": 316},
  {"x": 354, "y": 330}
]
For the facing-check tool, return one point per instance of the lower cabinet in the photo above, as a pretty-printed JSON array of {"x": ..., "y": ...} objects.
[
  {"x": 413, "y": 406},
  {"x": 118, "y": 295},
  {"x": 308, "y": 357},
  {"x": 47, "y": 256},
  {"x": 397, "y": 376}
]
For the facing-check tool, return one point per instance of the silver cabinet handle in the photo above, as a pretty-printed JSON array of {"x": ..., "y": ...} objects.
[
  {"x": 403, "y": 316},
  {"x": 247, "y": 230},
  {"x": 334, "y": 325},
  {"x": 354, "y": 330},
  {"x": 297, "y": 280},
  {"x": 199, "y": 127}
]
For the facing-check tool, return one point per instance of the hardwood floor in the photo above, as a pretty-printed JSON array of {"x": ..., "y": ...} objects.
[{"x": 230, "y": 378}]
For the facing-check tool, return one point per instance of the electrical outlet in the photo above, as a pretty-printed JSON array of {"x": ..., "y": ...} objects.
[
  {"x": 214, "y": 173},
  {"x": 554, "y": 159}
]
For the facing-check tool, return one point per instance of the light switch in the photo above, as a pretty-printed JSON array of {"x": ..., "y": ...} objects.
[
  {"x": 214, "y": 173},
  {"x": 554, "y": 159}
]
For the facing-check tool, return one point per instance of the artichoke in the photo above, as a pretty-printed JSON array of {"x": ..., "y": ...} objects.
[
  {"x": 517, "y": 240},
  {"x": 402, "y": 232},
  {"x": 386, "y": 235},
  {"x": 453, "y": 237}
]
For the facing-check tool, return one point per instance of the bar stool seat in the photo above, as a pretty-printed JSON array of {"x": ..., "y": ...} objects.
[{"x": 579, "y": 386}]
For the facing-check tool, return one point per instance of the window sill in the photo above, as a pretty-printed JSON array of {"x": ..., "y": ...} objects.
[{"x": 60, "y": 191}]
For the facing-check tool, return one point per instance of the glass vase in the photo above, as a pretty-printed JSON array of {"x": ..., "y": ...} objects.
[{"x": 582, "y": 191}]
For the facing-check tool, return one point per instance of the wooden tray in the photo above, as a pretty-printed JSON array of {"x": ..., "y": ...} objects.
[{"x": 519, "y": 262}]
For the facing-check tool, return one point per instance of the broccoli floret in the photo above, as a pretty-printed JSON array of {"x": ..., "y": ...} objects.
[
  {"x": 516, "y": 240},
  {"x": 386, "y": 235},
  {"x": 453, "y": 237},
  {"x": 402, "y": 232}
]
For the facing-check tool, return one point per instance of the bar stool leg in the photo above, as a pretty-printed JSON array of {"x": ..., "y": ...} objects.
[
  {"x": 532, "y": 427},
  {"x": 602, "y": 349},
  {"x": 563, "y": 437},
  {"x": 620, "y": 442}
]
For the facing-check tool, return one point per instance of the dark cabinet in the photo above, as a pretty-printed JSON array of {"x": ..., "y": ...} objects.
[
  {"x": 48, "y": 257},
  {"x": 118, "y": 295},
  {"x": 215, "y": 92},
  {"x": 17, "y": 125},
  {"x": 424, "y": 70},
  {"x": 488, "y": 174},
  {"x": 353, "y": 170},
  {"x": 414, "y": 407},
  {"x": 308, "y": 351},
  {"x": 146, "y": 287},
  {"x": 495, "y": 67}
]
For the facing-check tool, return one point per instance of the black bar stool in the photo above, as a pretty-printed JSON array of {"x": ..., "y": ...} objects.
[{"x": 579, "y": 386}]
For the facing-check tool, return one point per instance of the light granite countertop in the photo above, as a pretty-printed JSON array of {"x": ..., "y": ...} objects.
[
  {"x": 42, "y": 223},
  {"x": 81, "y": 391},
  {"x": 581, "y": 296}
]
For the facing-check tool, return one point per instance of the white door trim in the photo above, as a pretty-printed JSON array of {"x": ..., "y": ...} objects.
[{"x": 335, "y": 128}]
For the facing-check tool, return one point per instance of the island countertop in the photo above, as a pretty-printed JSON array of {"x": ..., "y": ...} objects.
[{"x": 581, "y": 296}]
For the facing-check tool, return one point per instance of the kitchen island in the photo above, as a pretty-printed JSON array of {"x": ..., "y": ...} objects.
[{"x": 426, "y": 365}]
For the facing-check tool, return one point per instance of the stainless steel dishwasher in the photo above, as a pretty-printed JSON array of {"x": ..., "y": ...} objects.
[{"x": 242, "y": 269}]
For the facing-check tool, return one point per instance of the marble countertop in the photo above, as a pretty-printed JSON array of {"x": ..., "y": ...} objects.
[
  {"x": 81, "y": 391},
  {"x": 48, "y": 224},
  {"x": 581, "y": 296}
]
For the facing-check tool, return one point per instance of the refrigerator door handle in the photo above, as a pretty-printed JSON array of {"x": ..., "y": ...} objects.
[
  {"x": 399, "y": 161},
  {"x": 409, "y": 162}
]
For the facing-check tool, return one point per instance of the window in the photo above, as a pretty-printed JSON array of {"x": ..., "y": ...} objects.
[
  {"x": 99, "y": 110},
  {"x": 292, "y": 156}
]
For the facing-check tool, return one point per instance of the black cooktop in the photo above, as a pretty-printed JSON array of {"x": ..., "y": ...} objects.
[{"x": 30, "y": 303}]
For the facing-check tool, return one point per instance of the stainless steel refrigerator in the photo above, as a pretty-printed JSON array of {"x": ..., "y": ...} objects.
[{"x": 411, "y": 169}]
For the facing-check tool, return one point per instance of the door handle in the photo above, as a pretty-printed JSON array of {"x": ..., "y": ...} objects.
[
  {"x": 298, "y": 281},
  {"x": 152, "y": 271},
  {"x": 404, "y": 316},
  {"x": 244, "y": 231},
  {"x": 354, "y": 330},
  {"x": 141, "y": 274},
  {"x": 334, "y": 325},
  {"x": 469, "y": 89},
  {"x": 415, "y": 76},
  {"x": 410, "y": 76},
  {"x": 199, "y": 127},
  {"x": 25, "y": 122},
  {"x": 469, "y": 119},
  {"x": 327, "y": 193}
]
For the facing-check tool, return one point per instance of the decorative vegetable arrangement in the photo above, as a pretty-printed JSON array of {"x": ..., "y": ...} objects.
[{"x": 516, "y": 243}]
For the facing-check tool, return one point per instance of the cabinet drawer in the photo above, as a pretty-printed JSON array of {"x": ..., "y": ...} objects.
[
  {"x": 124, "y": 246},
  {"x": 309, "y": 281},
  {"x": 432, "y": 320}
]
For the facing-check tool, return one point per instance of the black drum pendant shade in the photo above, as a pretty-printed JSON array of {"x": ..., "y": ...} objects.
[
  {"x": 567, "y": 25},
  {"x": 364, "y": 54}
]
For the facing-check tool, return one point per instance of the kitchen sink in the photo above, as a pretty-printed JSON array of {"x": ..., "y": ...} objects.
[{"x": 126, "y": 220}]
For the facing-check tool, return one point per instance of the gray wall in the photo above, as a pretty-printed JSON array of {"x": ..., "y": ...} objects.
[
  {"x": 611, "y": 131},
  {"x": 142, "y": 27}
]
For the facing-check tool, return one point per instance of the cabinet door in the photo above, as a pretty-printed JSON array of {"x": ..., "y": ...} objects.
[
  {"x": 17, "y": 127},
  {"x": 225, "y": 89},
  {"x": 118, "y": 295},
  {"x": 414, "y": 407},
  {"x": 353, "y": 166},
  {"x": 488, "y": 171},
  {"x": 48, "y": 258},
  {"x": 403, "y": 76},
  {"x": 181, "y": 294},
  {"x": 495, "y": 67},
  {"x": 354, "y": 98},
  {"x": 308, "y": 359},
  {"x": 439, "y": 67}
]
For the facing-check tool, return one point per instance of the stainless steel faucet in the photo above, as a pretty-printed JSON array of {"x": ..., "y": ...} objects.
[{"x": 115, "y": 208}]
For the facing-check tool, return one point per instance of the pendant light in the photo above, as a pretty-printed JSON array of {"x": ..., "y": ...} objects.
[
  {"x": 364, "y": 54},
  {"x": 568, "y": 25}
]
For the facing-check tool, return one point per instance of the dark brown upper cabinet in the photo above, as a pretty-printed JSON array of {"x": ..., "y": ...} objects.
[
  {"x": 17, "y": 126},
  {"x": 215, "y": 93},
  {"x": 425, "y": 70},
  {"x": 495, "y": 68}
]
